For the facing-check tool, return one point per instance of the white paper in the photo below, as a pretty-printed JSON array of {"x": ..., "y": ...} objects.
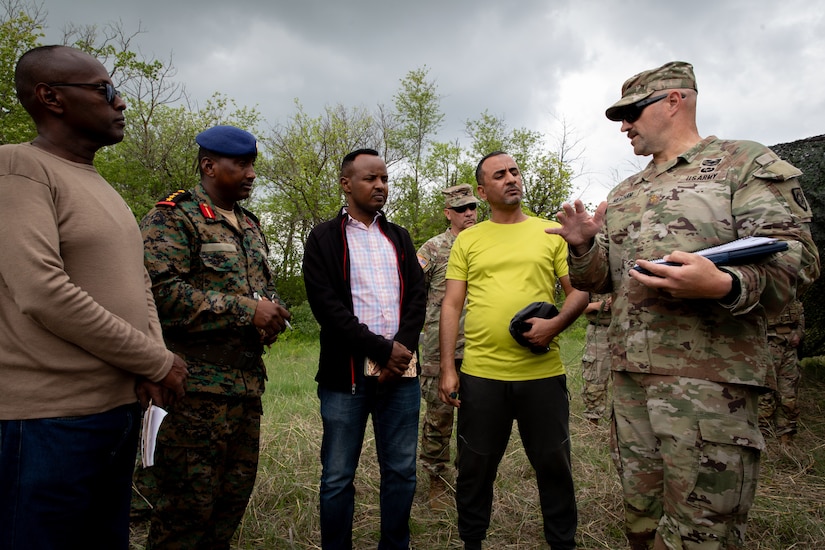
[
  {"x": 738, "y": 244},
  {"x": 152, "y": 419}
]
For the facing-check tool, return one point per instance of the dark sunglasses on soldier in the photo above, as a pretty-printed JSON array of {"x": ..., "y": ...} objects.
[
  {"x": 632, "y": 112},
  {"x": 111, "y": 92},
  {"x": 463, "y": 208}
]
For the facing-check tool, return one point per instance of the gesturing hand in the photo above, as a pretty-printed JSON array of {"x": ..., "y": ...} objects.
[{"x": 577, "y": 226}]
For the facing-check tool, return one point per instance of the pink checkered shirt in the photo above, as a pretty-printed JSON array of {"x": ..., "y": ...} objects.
[{"x": 376, "y": 288}]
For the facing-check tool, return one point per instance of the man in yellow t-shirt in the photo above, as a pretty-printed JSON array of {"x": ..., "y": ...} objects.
[{"x": 502, "y": 265}]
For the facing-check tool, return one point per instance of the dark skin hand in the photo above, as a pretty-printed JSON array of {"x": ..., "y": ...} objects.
[
  {"x": 396, "y": 365},
  {"x": 270, "y": 320},
  {"x": 152, "y": 392},
  {"x": 168, "y": 390}
]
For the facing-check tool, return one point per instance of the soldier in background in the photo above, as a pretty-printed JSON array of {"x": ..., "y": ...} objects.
[
  {"x": 218, "y": 307},
  {"x": 778, "y": 409},
  {"x": 437, "y": 429},
  {"x": 690, "y": 356},
  {"x": 596, "y": 358}
]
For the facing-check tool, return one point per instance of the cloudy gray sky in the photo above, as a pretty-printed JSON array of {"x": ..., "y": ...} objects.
[{"x": 759, "y": 63}]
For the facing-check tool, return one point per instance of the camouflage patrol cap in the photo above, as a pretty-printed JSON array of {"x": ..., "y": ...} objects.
[
  {"x": 458, "y": 195},
  {"x": 229, "y": 141},
  {"x": 670, "y": 76}
]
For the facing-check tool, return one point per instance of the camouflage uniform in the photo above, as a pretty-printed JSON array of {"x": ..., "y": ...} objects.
[
  {"x": 437, "y": 428},
  {"x": 205, "y": 275},
  {"x": 596, "y": 361},
  {"x": 144, "y": 490},
  {"x": 697, "y": 364},
  {"x": 779, "y": 406}
]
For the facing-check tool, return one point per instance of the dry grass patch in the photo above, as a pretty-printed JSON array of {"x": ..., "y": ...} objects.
[{"x": 788, "y": 512}]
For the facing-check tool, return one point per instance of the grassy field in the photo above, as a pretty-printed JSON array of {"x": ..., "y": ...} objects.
[{"x": 789, "y": 512}]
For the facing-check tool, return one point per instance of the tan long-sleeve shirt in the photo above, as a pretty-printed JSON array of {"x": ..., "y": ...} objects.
[{"x": 77, "y": 318}]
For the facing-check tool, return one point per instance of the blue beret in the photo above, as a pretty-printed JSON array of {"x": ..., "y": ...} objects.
[{"x": 228, "y": 140}]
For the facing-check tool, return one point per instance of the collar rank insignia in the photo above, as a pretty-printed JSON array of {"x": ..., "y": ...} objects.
[{"x": 207, "y": 211}]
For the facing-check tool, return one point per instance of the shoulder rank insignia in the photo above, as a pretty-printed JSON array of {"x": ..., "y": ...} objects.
[{"x": 174, "y": 198}]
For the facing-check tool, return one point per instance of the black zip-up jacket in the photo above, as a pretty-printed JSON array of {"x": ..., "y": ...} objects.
[{"x": 345, "y": 341}]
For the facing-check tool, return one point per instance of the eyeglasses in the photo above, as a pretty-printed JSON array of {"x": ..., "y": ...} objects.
[
  {"x": 632, "y": 112},
  {"x": 111, "y": 92},
  {"x": 463, "y": 208}
]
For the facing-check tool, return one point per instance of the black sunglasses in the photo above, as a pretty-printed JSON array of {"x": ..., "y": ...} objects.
[
  {"x": 463, "y": 208},
  {"x": 632, "y": 112},
  {"x": 111, "y": 92}
]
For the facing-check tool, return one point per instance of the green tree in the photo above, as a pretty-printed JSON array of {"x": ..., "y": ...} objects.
[
  {"x": 157, "y": 155},
  {"x": 299, "y": 181},
  {"x": 418, "y": 117},
  {"x": 547, "y": 174},
  {"x": 487, "y": 133},
  {"x": 21, "y": 28},
  {"x": 447, "y": 164}
]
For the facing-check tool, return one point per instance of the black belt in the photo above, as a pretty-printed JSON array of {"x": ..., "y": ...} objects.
[{"x": 219, "y": 353}]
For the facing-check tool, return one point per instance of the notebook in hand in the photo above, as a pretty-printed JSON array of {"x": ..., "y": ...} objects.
[{"x": 740, "y": 251}]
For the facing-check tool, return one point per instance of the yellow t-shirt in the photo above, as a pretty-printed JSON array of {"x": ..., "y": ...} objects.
[{"x": 506, "y": 267}]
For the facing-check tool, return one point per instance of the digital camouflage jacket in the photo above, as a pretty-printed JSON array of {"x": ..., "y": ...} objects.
[{"x": 205, "y": 274}]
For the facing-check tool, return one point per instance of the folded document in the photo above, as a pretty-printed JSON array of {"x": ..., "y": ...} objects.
[{"x": 152, "y": 418}]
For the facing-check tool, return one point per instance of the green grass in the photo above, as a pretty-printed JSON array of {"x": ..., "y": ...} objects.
[{"x": 789, "y": 512}]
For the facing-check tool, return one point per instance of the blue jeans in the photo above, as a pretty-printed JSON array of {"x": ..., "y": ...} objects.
[
  {"x": 66, "y": 483},
  {"x": 394, "y": 408}
]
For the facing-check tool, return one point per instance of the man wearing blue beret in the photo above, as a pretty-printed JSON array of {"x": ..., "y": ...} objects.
[{"x": 218, "y": 307}]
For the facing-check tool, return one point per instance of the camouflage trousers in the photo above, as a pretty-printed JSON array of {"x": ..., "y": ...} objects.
[
  {"x": 687, "y": 453},
  {"x": 595, "y": 371},
  {"x": 778, "y": 409},
  {"x": 436, "y": 429},
  {"x": 144, "y": 490},
  {"x": 205, "y": 467}
]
